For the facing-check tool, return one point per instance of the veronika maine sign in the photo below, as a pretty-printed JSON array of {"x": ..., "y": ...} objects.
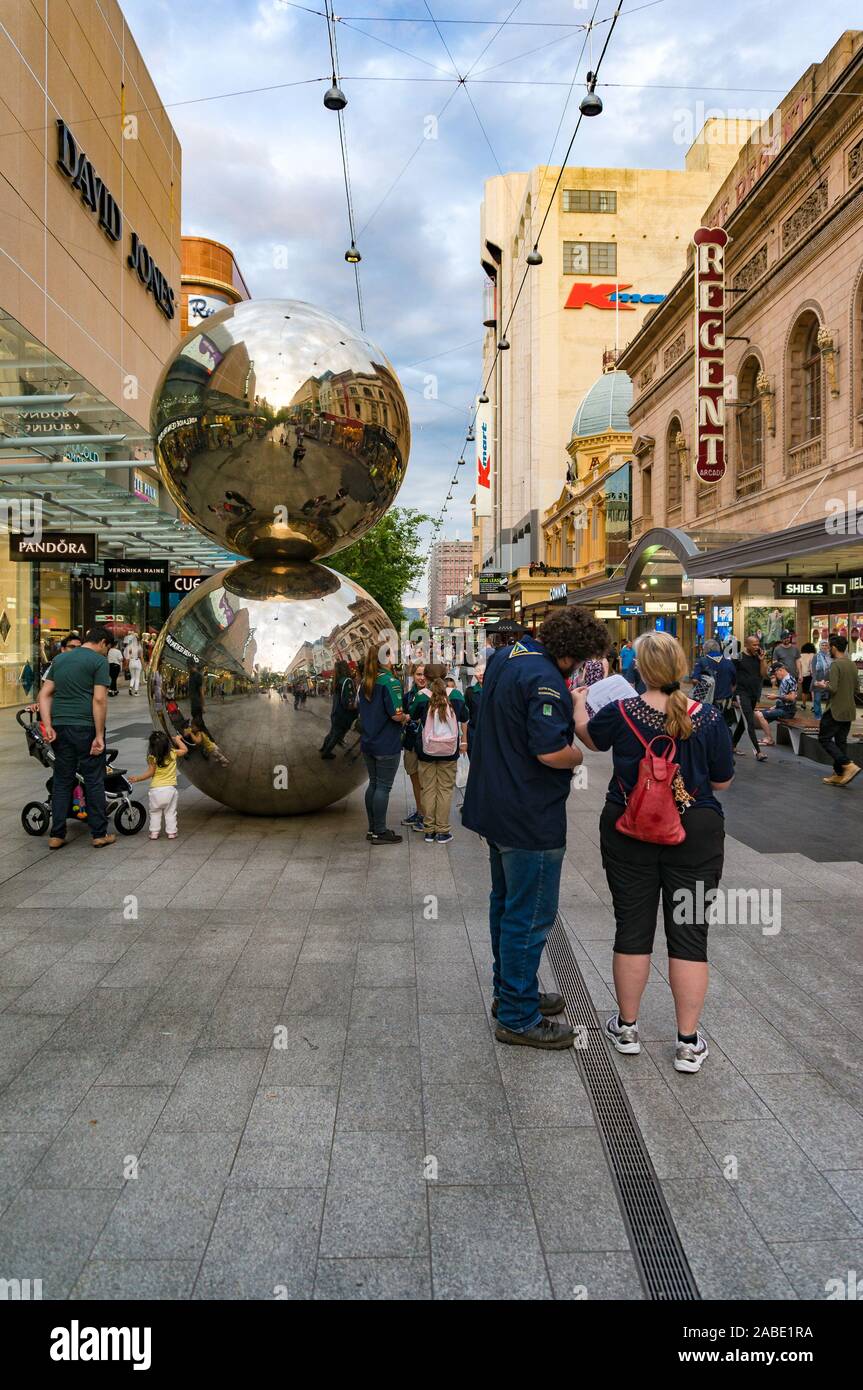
[{"x": 710, "y": 244}]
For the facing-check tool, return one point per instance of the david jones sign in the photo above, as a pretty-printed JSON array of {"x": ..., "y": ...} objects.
[
  {"x": 710, "y": 243},
  {"x": 95, "y": 195}
]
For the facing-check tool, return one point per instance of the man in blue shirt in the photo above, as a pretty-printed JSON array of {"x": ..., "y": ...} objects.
[
  {"x": 627, "y": 659},
  {"x": 522, "y": 760}
]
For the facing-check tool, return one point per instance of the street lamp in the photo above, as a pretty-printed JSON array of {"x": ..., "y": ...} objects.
[
  {"x": 334, "y": 98},
  {"x": 352, "y": 255},
  {"x": 533, "y": 257},
  {"x": 503, "y": 345},
  {"x": 590, "y": 104}
]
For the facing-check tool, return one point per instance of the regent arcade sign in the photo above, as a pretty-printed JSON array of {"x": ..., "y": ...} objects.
[
  {"x": 613, "y": 296},
  {"x": 96, "y": 196},
  {"x": 710, "y": 243}
]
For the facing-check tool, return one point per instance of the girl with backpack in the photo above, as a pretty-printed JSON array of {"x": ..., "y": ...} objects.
[
  {"x": 661, "y": 836},
  {"x": 438, "y": 744},
  {"x": 381, "y": 715}
]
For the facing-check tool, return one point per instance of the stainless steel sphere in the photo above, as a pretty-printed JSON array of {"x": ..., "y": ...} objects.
[
  {"x": 237, "y": 656},
  {"x": 280, "y": 432}
]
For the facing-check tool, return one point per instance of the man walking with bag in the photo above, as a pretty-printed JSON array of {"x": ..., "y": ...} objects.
[
  {"x": 836, "y": 721},
  {"x": 522, "y": 760},
  {"x": 72, "y": 708}
]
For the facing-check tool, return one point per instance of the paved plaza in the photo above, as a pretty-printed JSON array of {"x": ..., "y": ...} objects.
[{"x": 258, "y": 1063}]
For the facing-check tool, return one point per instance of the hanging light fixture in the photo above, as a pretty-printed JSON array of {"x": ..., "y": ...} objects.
[
  {"x": 483, "y": 400},
  {"x": 590, "y": 104},
  {"x": 503, "y": 345},
  {"x": 352, "y": 255},
  {"x": 460, "y": 463},
  {"x": 533, "y": 257},
  {"x": 334, "y": 97},
  {"x": 471, "y": 437}
]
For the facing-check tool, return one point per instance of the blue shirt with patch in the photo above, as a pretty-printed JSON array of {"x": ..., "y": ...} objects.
[
  {"x": 381, "y": 736},
  {"x": 511, "y": 797}
]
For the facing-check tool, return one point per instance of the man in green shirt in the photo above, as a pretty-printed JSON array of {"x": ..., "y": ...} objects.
[
  {"x": 837, "y": 719},
  {"x": 72, "y": 707}
]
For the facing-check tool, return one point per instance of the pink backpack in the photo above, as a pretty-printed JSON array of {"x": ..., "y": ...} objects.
[{"x": 440, "y": 733}]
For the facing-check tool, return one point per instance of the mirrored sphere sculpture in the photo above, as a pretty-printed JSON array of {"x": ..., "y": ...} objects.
[
  {"x": 249, "y": 656},
  {"x": 280, "y": 432},
  {"x": 283, "y": 435}
]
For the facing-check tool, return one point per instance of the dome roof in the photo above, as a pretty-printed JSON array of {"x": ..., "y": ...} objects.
[{"x": 605, "y": 407}]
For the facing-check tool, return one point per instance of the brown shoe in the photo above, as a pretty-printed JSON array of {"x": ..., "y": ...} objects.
[
  {"x": 833, "y": 781},
  {"x": 548, "y": 1033},
  {"x": 56, "y": 842},
  {"x": 104, "y": 840},
  {"x": 848, "y": 775}
]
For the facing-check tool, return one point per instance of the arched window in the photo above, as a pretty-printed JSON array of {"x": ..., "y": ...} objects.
[
  {"x": 673, "y": 472},
  {"x": 804, "y": 395},
  {"x": 750, "y": 430}
]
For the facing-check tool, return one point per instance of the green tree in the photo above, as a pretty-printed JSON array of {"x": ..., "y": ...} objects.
[{"x": 388, "y": 560}]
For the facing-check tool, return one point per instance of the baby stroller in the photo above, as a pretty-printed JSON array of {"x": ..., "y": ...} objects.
[{"x": 128, "y": 815}]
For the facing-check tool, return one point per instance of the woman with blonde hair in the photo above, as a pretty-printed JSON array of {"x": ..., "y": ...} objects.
[{"x": 685, "y": 875}]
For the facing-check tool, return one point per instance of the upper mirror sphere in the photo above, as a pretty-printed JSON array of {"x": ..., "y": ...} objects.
[{"x": 280, "y": 432}]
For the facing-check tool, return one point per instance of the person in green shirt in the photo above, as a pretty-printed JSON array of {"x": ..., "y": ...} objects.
[
  {"x": 72, "y": 708},
  {"x": 837, "y": 719}
]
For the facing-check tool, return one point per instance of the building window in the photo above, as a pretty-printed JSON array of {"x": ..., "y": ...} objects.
[
  {"x": 804, "y": 395},
  {"x": 589, "y": 258},
  {"x": 589, "y": 200},
  {"x": 750, "y": 431},
  {"x": 812, "y": 390},
  {"x": 673, "y": 478}
]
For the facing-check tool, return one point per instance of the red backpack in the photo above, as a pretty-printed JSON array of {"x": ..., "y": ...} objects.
[{"x": 651, "y": 812}]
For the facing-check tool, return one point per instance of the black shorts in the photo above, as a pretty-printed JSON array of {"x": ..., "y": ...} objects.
[{"x": 639, "y": 874}]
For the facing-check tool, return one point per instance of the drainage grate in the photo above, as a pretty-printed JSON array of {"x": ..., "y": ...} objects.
[{"x": 662, "y": 1265}]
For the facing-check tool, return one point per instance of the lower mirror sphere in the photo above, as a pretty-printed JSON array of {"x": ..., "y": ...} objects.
[{"x": 247, "y": 663}]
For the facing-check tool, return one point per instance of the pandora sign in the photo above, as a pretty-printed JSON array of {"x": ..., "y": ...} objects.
[{"x": 710, "y": 244}]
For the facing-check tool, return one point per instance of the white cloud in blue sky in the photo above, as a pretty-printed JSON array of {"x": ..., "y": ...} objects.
[{"x": 262, "y": 171}]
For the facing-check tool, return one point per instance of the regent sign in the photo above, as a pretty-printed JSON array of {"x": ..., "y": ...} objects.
[
  {"x": 607, "y": 297},
  {"x": 95, "y": 195},
  {"x": 710, "y": 243}
]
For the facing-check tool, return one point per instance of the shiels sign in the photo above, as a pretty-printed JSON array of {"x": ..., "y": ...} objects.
[
  {"x": 94, "y": 194},
  {"x": 710, "y": 244}
]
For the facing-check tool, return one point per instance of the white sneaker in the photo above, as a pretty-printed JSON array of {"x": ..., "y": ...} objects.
[
  {"x": 691, "y": 1056},
  {"x": 624, "y": 1038}
]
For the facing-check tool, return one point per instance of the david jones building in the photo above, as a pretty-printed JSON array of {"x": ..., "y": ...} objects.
[{"x": 95, "y": 284}]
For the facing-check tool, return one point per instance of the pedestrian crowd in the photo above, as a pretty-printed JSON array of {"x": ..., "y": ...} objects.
[{"x": 512, "y": 730}]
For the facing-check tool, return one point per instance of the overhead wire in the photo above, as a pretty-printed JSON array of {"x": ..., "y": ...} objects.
[
  {"x": 343, "y": 146},
  {"x": 588, "y": 37}
]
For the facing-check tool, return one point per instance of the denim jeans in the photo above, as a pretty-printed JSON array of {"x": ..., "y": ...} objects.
[
  {"x": 525, "y": 888},
  {"x": 382, "y": 774},
  {"x": 71, "y": 756}
]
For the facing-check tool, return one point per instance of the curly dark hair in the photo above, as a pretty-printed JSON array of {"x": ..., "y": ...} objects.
[{"x": 574, "y": 633}]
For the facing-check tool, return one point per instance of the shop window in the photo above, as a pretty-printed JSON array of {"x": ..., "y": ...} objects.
[
  {"x": 673, "y": 471},
  {"x": 590, "y": 258},
  {"x": 750, "y": 431}
]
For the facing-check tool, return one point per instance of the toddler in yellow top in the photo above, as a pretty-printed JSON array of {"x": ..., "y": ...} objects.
[{"x": 162, "y": 755}]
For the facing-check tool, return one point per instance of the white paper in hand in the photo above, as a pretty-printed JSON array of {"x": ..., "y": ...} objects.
[{"x": 607, "y": 691}]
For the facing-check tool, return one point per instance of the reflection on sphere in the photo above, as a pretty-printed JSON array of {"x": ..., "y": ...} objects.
[
  {"x": 279, "y": 431},
  {"x": 230, "y": 651}
]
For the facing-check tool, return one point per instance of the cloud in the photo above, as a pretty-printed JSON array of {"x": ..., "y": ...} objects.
[{"x": 262, "y": 170}]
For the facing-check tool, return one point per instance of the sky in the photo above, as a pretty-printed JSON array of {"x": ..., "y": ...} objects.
[{"x": 262, "y": 169}]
